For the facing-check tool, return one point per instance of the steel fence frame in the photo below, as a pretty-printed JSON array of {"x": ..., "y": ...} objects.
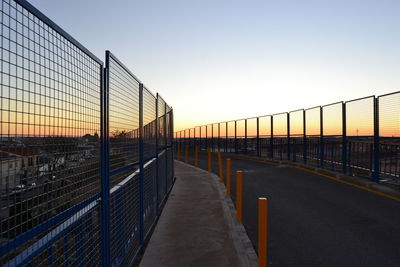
[
  {"x": 375, "y": 156},
  {"x": 91, "y": 228}
]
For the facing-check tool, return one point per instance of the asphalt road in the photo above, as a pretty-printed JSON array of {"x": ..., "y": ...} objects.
[{"x": 315, "y": 221}]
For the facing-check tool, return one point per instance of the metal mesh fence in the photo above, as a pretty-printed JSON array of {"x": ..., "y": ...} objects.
[
  {"x": 389, "y": 132},
  {"x": 49, "y": 138},
  {"x": 80, "y": 177},
  {"x": 359, "y": 137}
]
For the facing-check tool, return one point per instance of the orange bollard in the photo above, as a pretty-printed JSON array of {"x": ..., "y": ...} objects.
[
  {"x": 228, "y": 177},
  {"x": 186, "y": 154},
  {"x": 262, "y": 231},
  {"x": 196, "y": 157},
  {"x": 178, "y": 154},
  {"x": 209, "y": 159},
  {"x": 221, "y": 176},
  {"x": 239, "y": 195}
]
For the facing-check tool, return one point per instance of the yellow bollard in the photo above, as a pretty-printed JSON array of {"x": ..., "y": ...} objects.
[
  {"x": 196, "y": 157},
  {"x": 239, "y": 195},
  {"x": 221, "y": 176},
  {"x": 228, "y": 177},
  {"x": 209, "y": 159},
  {"x": 187, "y": 153},
  {"x": 262, "y": 231},
  {"x": 178, "y": 154}
]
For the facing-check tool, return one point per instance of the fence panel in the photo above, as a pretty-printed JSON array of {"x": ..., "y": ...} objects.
[
  {"x": 389, "y": 133},
  {"x": 222, "y": 137},
  {"x": 252, "y": 140},
  {"x": 124, "y": 159},
  {"x": 241, "y": 137},
  {"x": 265, "y": 136},
  {"x": 313, "y": 131},
  {"x": 360, "y": 133},
  {"x": 280, "y": 145},
  {"x": 332, "y": 139},
  {"x": 49, "y": 142},
  {"x": 215, "y": 136},
  {"x": 231, "y": 137},
  {"x": 296, "y": 131}
]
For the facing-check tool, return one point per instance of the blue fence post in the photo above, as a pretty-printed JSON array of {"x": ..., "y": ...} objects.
[
  {"x": 141, "y": 170},
  {"x": 236, "y": 151},
  {"x": 157, "y": 174},
  {"x": 321, "y": 138},
  {"x": 344, "y": 139},
  {"x": 104, "y": 167},
  {"x": 376, "y": 140},
  {"x": 288, "y": 136},
  {"x": 305, "y": 145},
  {"x": 245, "y": 136},
  {"x": 226, "y": 137},
  {"x": 271, "y": 140},
  {"x": 166, "y": 148},
  {"x": 258, "y": 138}
]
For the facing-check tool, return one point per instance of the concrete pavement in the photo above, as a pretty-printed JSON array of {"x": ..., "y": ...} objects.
[{"x": 197, "y": 226}]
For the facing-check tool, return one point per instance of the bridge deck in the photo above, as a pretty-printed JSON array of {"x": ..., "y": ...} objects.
[{"x": 315, "y": 221}]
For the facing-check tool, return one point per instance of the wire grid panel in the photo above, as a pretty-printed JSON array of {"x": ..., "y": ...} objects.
[
  {"x": 123, "y": 118},
  {"x": 161, "y": 122},
  {"x": 162, "y": 193},
  {"x": 169, "y": 127},
  {"x": 280, "y": 125},
  {"x": 252, "y": 127},
  {"x": 150, "y": 194},
  {"x": 389, "y": 132},
  {"x": 231, "y": 137},
  {"x": 313, "y": 121},
  {"x": 222, "y": 136},
  {"x": 203, "y": 134},
  {"x": 49, "y": 135},
  {"x": 332, "y": 128},
  {"x": 313, "y": 131},
  {"x": 389, "y": 115},
  {"x": 332, "y": 119},
  {"x": 170, "y": 170},
  {"x": 296, "y": 122},
  {"x": 264, "y": 124},
  {"x": 149, "y": 124},
  {"x": 125, "y": 220},
  {"x": 360, "y": 117},
  {"x": 215, "y": 134}
]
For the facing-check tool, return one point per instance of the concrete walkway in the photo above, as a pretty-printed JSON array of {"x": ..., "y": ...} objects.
[{"x": 197, "y": 226}]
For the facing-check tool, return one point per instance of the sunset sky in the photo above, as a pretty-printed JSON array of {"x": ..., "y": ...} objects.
[{"x": 223, "y": 60}]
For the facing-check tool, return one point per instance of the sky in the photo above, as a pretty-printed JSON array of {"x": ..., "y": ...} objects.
[{"x": 216, "y": 61}]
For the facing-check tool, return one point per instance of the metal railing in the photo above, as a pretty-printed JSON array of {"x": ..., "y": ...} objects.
[
  {"x": 85, "y": 150},
  {"x": 358, "y": 137}
]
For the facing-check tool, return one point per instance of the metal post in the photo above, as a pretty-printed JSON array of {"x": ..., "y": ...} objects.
[
  {"x": 226, "y": 137},
  {"x": 321, "y": 138},
  {"x": 245, "y": 136},
  {"x": 166, "y": 148},
  {"x": 141, "y": 169},
  {"x": 212, "y": 137},
  {"x": 271, "y": 140},
  {"x": 288, "y": 136},
  {"x": 235, "y": 140},
  {"x": 206, "y": 141},
  {"x": 376, "y": 140},
  {"x": 157, "y": 160},
  {"x": 105, "y": 178},
  {"x": 344, "y": 139},
  {"x": 219, "y": 138},
  {"x": 304, "y": 138},
  {"x": 258, "y": 138}
]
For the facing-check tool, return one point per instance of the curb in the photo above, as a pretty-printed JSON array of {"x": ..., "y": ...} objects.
[{"x": 244, "y": 248}]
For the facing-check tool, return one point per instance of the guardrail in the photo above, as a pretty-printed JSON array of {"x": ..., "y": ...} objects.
[
  {"x": 85, "y": 150},
  {"x": 358, "y": 137}
]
